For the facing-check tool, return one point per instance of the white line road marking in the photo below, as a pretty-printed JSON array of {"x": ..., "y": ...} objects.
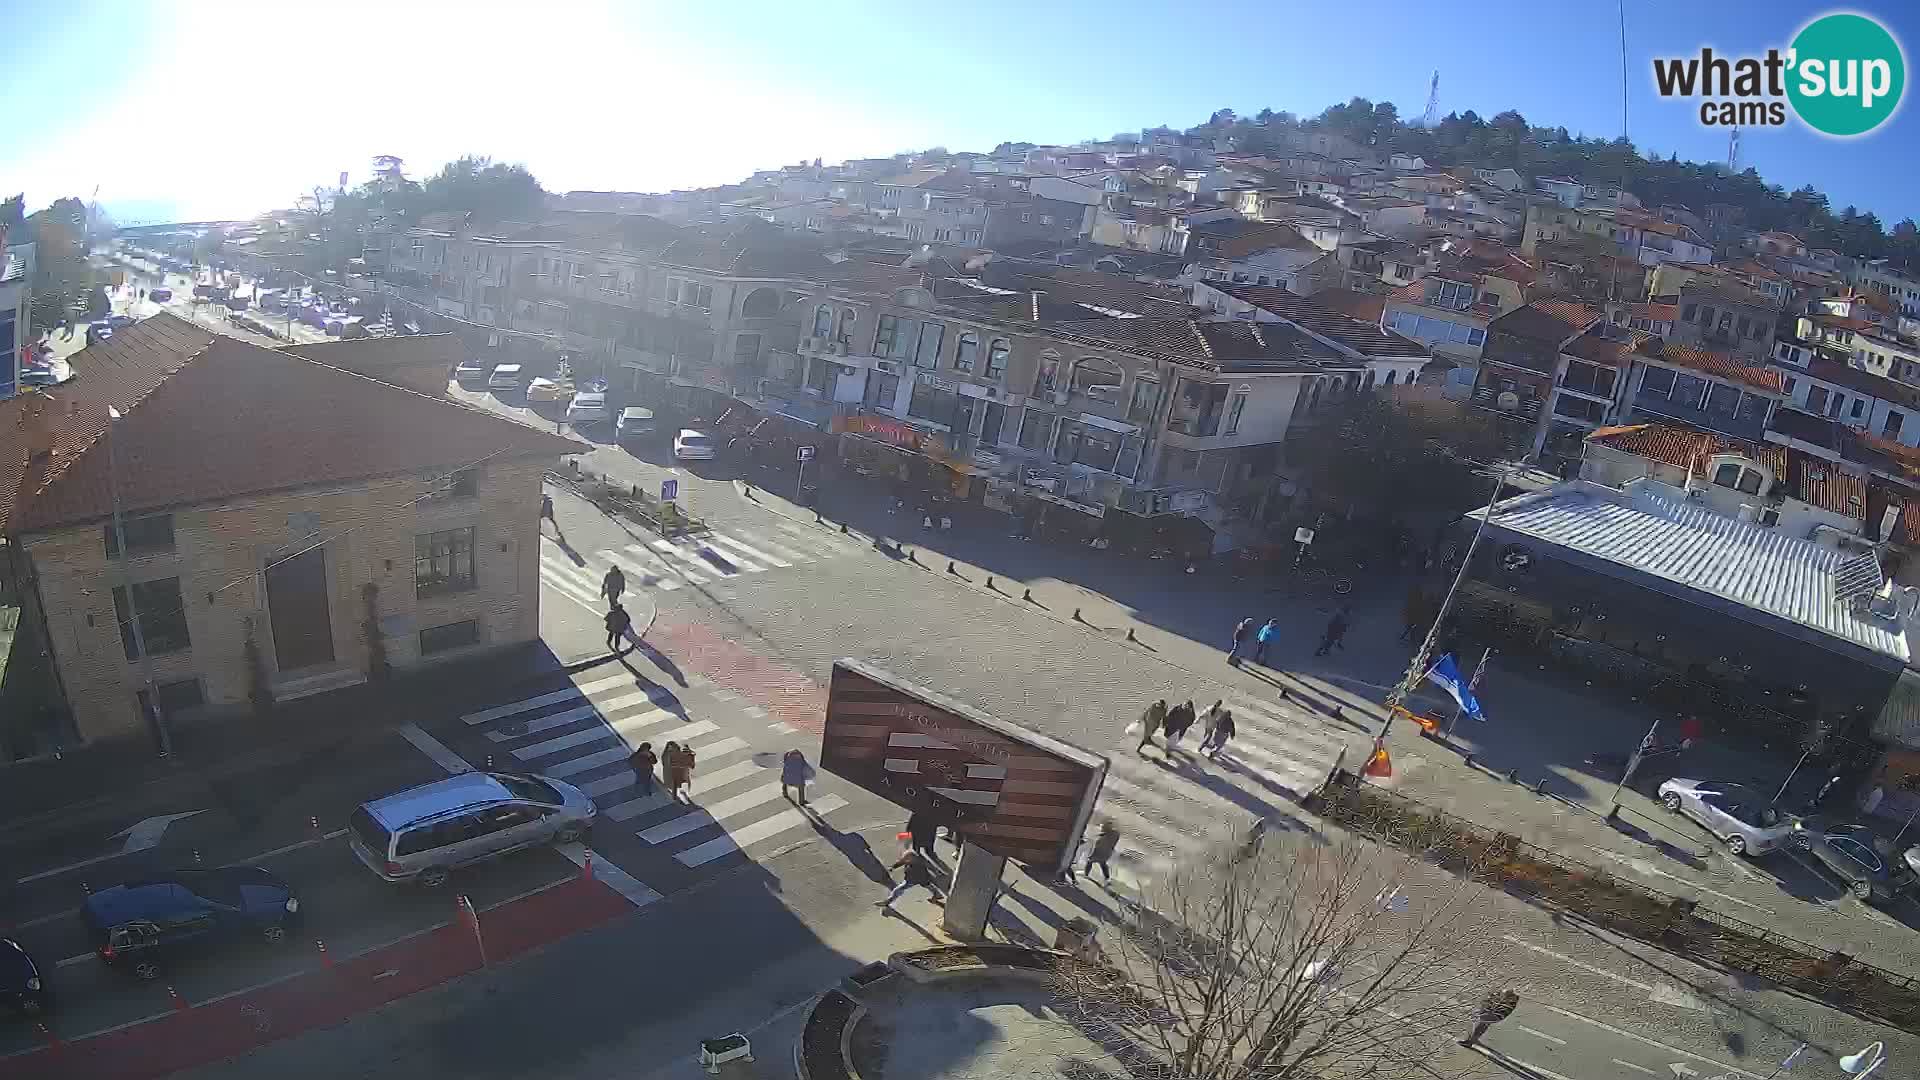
[
  {"x": 528, "y": 704},
  {"x": 782, "y": 727},
  {"x": 72, "y": 960},
  {"x": 546, "y": 723},
  {"x": 712, "y": 547},
  {"x": 139, "y": 836},
  {"x": 1523, "y": 1063},
  {"x": 653, "y": 572},
  {"x": 594, "y": 734},
  {"x": 768, "y": 552},
  {"x": 589, "y": 608},
  {"x": 438, "y": 752},
  {"x": 295, "y": 846},
  {"x": 1538, "y": 1034},
  {"x": 1565, "y": 959},
  {"x": 1655, "y": 1043},
  {"x": 727, "y": 543},
  {"x": 637, "y": 892},
  {"x": 701, "y": 817},
  {"x": 1636, "y": 1068},
  {"x": 737, "y": 840},
  {"x": 688, "y": 559},
  {"x": 573, "y": 767}
]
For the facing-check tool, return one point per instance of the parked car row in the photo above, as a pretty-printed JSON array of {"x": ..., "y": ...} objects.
[
  {"x": 1750, "y": 825},
  {"x": 147, "y": 925}
]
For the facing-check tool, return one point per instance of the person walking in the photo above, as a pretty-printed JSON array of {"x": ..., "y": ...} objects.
[
  {"x": 618, "y": 623},
  {"x": 1208, "y": 718},
  {"x": 546, "y": 511},
  {"x": 1334, "y": 634},
  {"x": 916, "y": 871},
  {"x": 1218, "y": 735},
  {"x": 679, "y": 770},
  {"x": 922, "y": 829},
  {"x": 1179, "y": 719},
  {"x": 1104, "y": 845},
  {"x": 642, "y": 761},
  {"x": 613, "y": 585},
  {"x": 794, "y": 773},
  {"x": 1495, "y": 1008},
  {"x": 1241, "y": 631},
  {"x": 1151, "y": 721},
  {"x": 1264, "y": 639}
]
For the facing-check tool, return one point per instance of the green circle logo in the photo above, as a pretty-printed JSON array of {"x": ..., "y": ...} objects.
[{"x": 1847, "y": 74}]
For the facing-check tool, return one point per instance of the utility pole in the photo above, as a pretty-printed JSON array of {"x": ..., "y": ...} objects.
[{"x": 155, "y": 716}]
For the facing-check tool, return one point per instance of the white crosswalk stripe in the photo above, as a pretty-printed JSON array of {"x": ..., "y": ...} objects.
[
  {"x": 699, "y": 560},
  {"x": 584, "y": 734}
]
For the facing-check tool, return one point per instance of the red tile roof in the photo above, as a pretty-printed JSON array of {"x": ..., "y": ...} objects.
[
  {"x": 1369, "y": 307},
  {"x": 1546, "y": 320},
  {"x": 1684, "y": 447},
  {"x": 1613, "y": 349},
  {"x": 1825, "y": 485},
  {"x": 1721, "y": 365},
  {"x": 208, "y": 419}
]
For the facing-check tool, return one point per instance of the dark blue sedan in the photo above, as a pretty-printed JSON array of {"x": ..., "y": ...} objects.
[{"x": 142, "y": 924}]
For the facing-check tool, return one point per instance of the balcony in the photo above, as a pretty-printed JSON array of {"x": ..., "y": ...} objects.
[{"x": 1507, "y": 403}]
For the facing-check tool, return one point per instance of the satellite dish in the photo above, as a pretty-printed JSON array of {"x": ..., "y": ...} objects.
[{"x": 1507, "y": 401}]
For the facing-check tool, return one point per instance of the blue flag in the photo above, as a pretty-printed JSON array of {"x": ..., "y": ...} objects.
[{"x": 1446, "y": 673}]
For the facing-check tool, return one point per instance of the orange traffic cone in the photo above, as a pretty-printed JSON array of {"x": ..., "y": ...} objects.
[{"x": 1378, "y": 765}]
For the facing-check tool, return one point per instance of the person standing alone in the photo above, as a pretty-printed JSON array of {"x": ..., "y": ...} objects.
[
  {"x": 1335, "y": 634},
  {"x": 1495, "y": 1008},
  {"x": 794, "y": 773},
  {"x": 618, "y": 623}
]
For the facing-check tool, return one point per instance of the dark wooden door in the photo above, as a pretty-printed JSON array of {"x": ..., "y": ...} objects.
[{"x": 297, "y": 602}]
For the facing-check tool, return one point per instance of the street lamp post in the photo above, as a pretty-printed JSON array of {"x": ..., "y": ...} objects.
[
  {"x": 1417, "y": 670},
  {"x": 155, "y": 716}
]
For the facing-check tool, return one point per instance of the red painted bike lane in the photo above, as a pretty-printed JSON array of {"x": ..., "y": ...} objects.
[{"x": 199, "y": 1034}]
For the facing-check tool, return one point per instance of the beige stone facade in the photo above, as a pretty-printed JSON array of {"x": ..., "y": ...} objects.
[{"x": 368, "y": 532}]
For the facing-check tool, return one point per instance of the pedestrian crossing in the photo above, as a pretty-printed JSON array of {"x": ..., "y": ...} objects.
[
  {"x": 1172, "y": 807},
  {"x": 582, "y": 734},
  {"x": 707, "y": 559}
]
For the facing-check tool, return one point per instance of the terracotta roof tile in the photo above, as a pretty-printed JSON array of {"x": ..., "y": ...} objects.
[
  {"x": 380, "y": 357},
  {"x": 1363, "y": 337},
  {"x": 1864, "y": 382},
  {"x": 1368, "y": 307},
  {"x": 206, "y": 421},
  {"x": 1684, "y": 447},
  {"x": 1827, "y": 486},
  {"x": 1722, "y": 366},
  {"x": 1546, "y": 320}
]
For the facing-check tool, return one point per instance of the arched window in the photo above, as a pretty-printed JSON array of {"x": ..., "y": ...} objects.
[
  {"x": 1339, "y": 389},
  {"x": 760, "y": 304},
  {"x": 822, "y": 321},
  {"x": 997, "y": 358},
  {"x": 1313, "y": 395},
  {"x": 1368, "y": 385},
  {"x": 1047, "y": 377},
  {"x": 1096, "y": 378},
  {"x": 1391, "y": 375},
  {"x": 967, "y": 352}
]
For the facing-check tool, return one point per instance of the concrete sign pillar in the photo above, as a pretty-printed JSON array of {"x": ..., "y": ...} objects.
[{"x": 976, "y": 884}]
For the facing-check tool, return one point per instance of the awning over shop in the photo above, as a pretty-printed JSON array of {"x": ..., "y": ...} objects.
[{"x": 1899, "y": 720}]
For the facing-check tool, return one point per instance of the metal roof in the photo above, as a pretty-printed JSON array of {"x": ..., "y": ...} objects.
[
  {"x": 456, "y": 792},
  {"x": 1747, "y": 570}
]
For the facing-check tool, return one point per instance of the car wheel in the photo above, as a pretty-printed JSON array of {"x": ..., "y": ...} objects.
[
  {"x": 434, "y": 878},
  {"x": 1737, "y": 844},
  {"x": 569, "y": 834},
  {"x": 1671, "y": 801},
  {"x": 274, "y": 933},
  {"x": 147, "y": 970},
  {"x": 1862, "y": 889},
  {"x": 1803, "y": 841}
]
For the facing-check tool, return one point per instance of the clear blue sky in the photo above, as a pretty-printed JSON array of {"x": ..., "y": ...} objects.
[{"x": 226, "y": 109}]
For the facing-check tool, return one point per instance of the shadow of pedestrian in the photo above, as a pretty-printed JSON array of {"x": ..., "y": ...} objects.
[
  {"x": 853, "y": 847},
  {"x": 660, "y": 661},
  {"x": 659, "y": 695}
]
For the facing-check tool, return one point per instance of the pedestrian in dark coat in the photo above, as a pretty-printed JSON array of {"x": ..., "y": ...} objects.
[
  {"x": 1241, "y": 632},
  {"x": 922, "y": 829},
  {"x": 642, "y": 761},
  {"x": 917, "y": 871},
  {"x": 618, "y": 623},
  {"x": 794, "y": 773},
  {"x": 1216, "y": 739},
  {"x": 1104, "y": 846},
  {"x": 1151, "y": 721},
  {"x": 1335, "y": 633},
  {"x": 1179, "y": 719},
  {"x": 613, "y": 585}
]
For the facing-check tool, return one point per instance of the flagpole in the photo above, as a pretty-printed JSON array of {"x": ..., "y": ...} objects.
[
  {"x": 1472, "y": 685},
  {"x": 1416, "y": 670}
]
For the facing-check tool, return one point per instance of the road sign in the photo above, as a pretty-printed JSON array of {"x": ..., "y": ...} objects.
[
  {"x": 805, "y": 453},
  {"x": 1010, "y": 790},
  {"x": 669, "y": 490}
]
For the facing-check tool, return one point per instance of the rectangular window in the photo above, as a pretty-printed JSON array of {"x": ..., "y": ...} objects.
[
  {"x": 163, "y": 617},
  {"x": 1235, "y": 406},
  {"x": 1035, "y": 427},
  {"x": 1786, "y": 385},
  {"x": 1657, "y": 382},
  {"x": 1146, "y": 397},
  {"x": 436, "y": 639},
  {"x": 1723, "y": 400},
  {"x": 927, "y": 403},
  {"x": 966, "y": 352},
  {"x": 885, "y": 335},
  {"x": 151, "y": 533},
  {"x": 1816, "y": 399},
  {"x": 1689, "y": 391},
  {"x": 926, "y": 355},
  {"x": 991, "y": 423},
  {"x": 443, "y": 561},
  {"x": 1859, "y": 406},
  {"x": 883, "y": 390},
  {"x": 997, "y": 359},
  {"x": 1452, "y": 294},
  {"x": 1891, "y": 427},
  {"x": 1687, "y": 312}
]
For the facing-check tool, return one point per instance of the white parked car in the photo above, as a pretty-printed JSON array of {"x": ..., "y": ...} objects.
[
  {"x": 691, "y": 445},
  {"x": 469, "y": 370},
  {"x": 590, "y": 408},
  {"x": 504, "y": 377},
  {"x": 1732, "y": 812}
]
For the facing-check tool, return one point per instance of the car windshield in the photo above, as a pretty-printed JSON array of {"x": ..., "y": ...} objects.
[
  {"x": 695, "y": 440},
  {"x": 532, "y": 789}
]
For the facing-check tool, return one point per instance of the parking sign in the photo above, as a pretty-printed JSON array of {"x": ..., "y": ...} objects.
[
  {"x": 806, "y": 453},
  {"x": 669, "y": 490}
]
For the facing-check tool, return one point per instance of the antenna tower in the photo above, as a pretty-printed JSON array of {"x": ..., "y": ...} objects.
[
  {"x": 1433, "y": 101},
  {"x": 1733, "y": 151}
]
